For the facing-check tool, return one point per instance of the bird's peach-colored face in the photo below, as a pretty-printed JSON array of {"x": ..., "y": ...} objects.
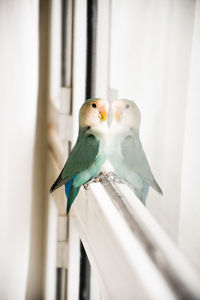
[
  {"x": 126, "y": 113},
  {"x": 93, "y": 113}
]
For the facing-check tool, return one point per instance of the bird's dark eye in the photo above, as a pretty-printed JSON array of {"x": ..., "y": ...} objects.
[
  {"x": 127, "y": 105},
  {"x": 94, "y": 105}
]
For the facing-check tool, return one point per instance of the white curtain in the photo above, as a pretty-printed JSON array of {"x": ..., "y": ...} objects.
[
  {"x": 189, "y": 236},
  {"x": 19, "y": 92},
  {"x": 155, "y": 60}
]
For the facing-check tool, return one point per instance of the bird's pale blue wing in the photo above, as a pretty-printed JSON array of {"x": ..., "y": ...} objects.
[
  {"x": 82, "y": 156},
  {"x": 135, "y": 160},
  {"x": 142, "y": 192}
]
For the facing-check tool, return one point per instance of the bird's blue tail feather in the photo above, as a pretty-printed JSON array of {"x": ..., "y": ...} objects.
[
  {"x": 71, "y": 193},
  {"x": 68, "y": 186}
]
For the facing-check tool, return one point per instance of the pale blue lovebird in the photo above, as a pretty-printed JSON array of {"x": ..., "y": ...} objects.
[
  {"x": 126, "y": 152},
  {"x": 89, "y": 153}
]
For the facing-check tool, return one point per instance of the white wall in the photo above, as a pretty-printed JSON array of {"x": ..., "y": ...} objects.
[{"x": 19, "y": 95}]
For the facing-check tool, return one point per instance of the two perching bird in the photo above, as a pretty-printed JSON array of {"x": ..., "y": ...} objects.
[{"x": 96, "y": 141}]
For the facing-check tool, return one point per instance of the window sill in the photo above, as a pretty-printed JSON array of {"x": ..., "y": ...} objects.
[{"x": 129, "y": 252}]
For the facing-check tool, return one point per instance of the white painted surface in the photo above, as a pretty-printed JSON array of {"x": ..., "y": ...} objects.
[
  {"x": 118, "y": 258},
  {"x": 79, "y": 73},
  {"x": 55, "y": 52},
  {"x": 19, "y": 89},
  {"x": 50, "y": 253}
]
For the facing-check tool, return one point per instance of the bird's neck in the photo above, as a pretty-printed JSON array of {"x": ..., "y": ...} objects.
[
  {"x": 117, "y": 129},
  {"x": 99, "y": 131}
]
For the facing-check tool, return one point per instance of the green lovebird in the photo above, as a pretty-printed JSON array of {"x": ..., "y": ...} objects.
[
  {"x": 89, "y": 153},
  {"x": 126, "y": 153}
]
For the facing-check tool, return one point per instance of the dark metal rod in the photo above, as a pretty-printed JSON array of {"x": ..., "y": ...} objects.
[
  {"x": 63, "y": 41},
  {"x": 91, "y": 48},
  {"x": 84, "y": 288},
  {"x": 58, "y": 283}
]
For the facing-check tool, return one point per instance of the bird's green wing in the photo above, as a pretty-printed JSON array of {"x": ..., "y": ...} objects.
[
  {"x": 82, "y": 156},
  {"x": 135, "y": 159}
]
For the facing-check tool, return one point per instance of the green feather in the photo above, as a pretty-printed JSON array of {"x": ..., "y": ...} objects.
[{"x": 81, "y": 158}]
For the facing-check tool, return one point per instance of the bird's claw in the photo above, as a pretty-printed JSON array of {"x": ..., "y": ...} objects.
[
  {"x": 118, "y": 180},
  {"x": 102, "y": 175},
  {"x": 86, "y": 186},
  {"x": 99, "y": 178},
  {"x": 115, "y": 178}
]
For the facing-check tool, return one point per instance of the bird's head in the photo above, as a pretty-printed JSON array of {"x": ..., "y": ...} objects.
[
  {"x": 93, "y": 113},
  {"x": 126, "y": 113}
]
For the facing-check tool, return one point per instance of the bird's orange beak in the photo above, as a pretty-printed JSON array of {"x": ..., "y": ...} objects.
[
  {"x": 117, "y": 114},
  {"x": 103, "y": 114},
  {"x": 117, "y": 107}
]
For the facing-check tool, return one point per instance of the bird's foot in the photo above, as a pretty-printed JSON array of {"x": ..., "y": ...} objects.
[
  {"x": 96, "y": 179},
  {"x": 102, "y": 175},
  {"x": 116, "y": 178},
  {"x": 86, "y": 185}
]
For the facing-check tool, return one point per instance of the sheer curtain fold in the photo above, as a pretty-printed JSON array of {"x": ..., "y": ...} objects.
[
  {"x": 19, "y": 88},
  {"x": 189, "y": 221}
]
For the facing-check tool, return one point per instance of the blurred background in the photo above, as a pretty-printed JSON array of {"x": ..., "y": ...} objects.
[{"x": 147, "y": 51}]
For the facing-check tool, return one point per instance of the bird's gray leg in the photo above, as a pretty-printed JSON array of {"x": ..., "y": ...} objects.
[
  {"x": 102, "y": 175},
  {"x": 96, "y": 179}
]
